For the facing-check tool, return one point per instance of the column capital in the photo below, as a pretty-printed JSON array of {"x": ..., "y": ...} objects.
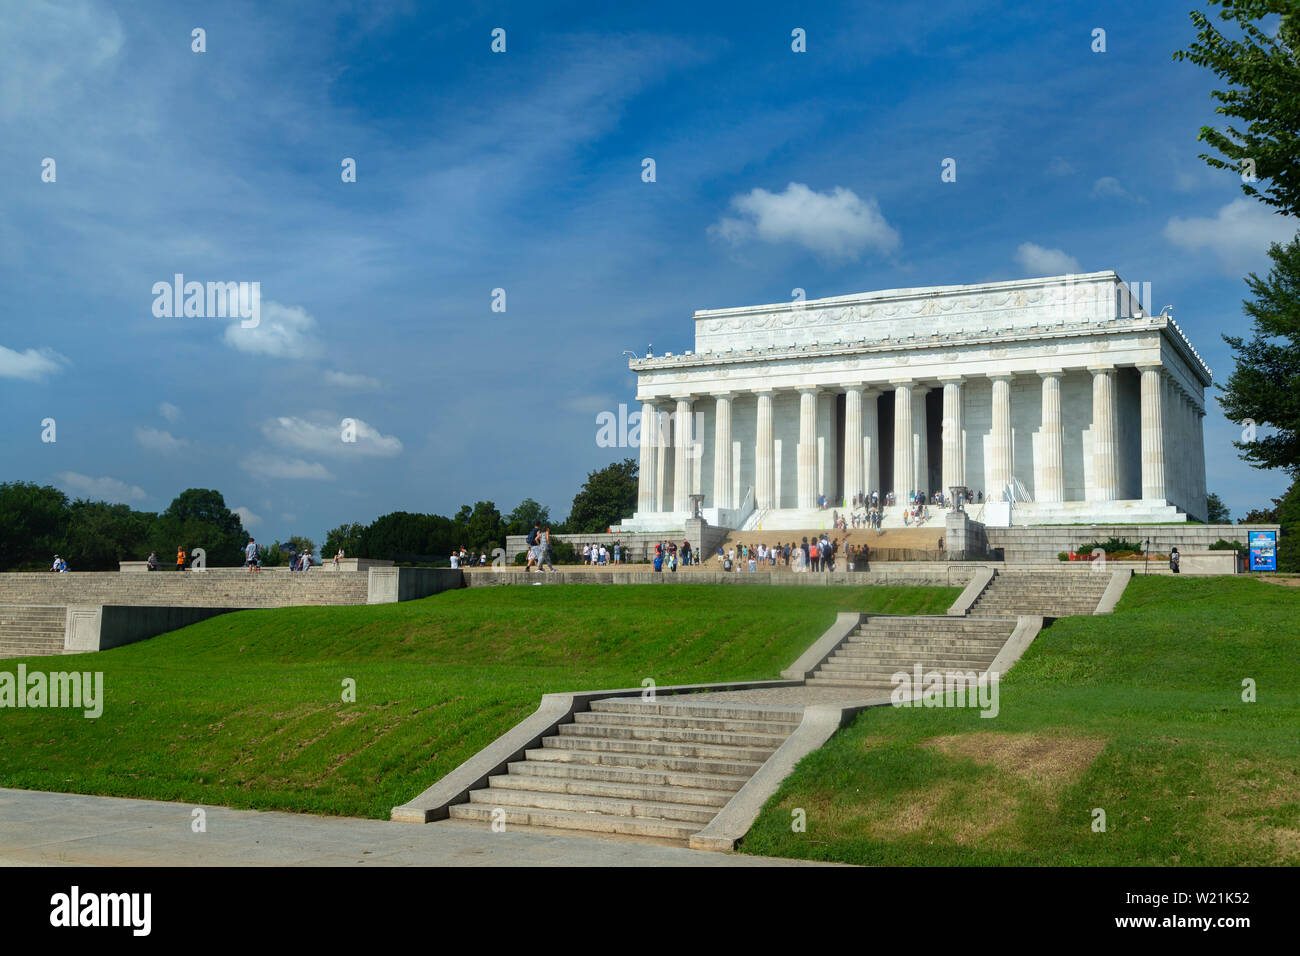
[
  {"x": 684, "y": 397},
  {"x": 1151, "y": 367},
  {"x": 1000, "y": 376},
  {"x": 907, "y": 382},
  {"x": 1051, "y": 372},
  {"x": 952, "y": 379},
  {"x": 722, "y": 394},
  {"x": 1101, "y": 369},
  {"x": 765, "y": 390},
  {"x": 811, "y": 389}
]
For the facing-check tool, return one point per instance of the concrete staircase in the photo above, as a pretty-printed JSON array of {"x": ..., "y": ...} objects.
[
  {"x": 1044, "y": 593},
  {"x": 882, "y": 646},
  {"x": 659, "y": 769},
  {"x": 31, "y": 630}
]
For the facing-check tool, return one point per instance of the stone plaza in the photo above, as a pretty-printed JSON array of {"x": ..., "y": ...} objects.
[{"x": 1058, "y": 400}]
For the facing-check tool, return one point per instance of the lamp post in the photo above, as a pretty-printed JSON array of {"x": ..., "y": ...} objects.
[{"x": 1146, "y": 558}]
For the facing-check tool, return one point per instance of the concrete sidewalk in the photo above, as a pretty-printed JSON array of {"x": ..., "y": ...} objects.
[{"x": 59, "y": 829}]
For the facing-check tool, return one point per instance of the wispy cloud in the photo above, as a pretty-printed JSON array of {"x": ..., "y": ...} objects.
[
  {"x": 32, "y": 365},
  {"x": 99, "y": 489},
  {"x": 1238, "y": 235},
  {"x": 837, "y": 224},
  {"x": 1039, "y": 261}
]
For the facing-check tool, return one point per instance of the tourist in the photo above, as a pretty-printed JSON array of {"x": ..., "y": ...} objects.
[
  {"x": 180, "y": 559},
  {"x": 1175, "y": 559},
  {"x": 686, "y": 552},
  {"x": 618, "y": 552},
  {"x": 152, "y": 562},
  {"x": 250, "y": 555},
  {"x": 338, "y": 556},
  {"x": 545, "y": 544},
  {"x": 659, "y": 561},
  {"x": 533, "y": 542},
  {"x": 305, "y": 561}
]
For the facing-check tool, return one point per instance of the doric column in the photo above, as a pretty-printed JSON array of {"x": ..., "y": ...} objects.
[
  {"x": 902, "y": 440},
  {"x": 807, "y": 448},
  {"x": 920, "y": 444},
  {"x": 1153, "y": 434},
  {"x": 764, "y": 455},
  {"x": 683, "y": 444},
  {"x": 1103, "y": 434},
  {"x": 1198, "y": 449},
  {"x": 954, "y": 464},
  {"x": 870, "y": 441},
  {"x": 853, "y": 482},
  {"x": 1000, "y": 440},
  {"x": 722, "y": 450},
  {"x": 1051, "y": 487},
  {"x": 828, "y": 471},
  {"x": 645, "y": 499}
]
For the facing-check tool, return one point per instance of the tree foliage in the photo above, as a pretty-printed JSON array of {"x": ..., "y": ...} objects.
[
  {"x": 1216, "y": 511},
  {"x": 607, "y": 497},
  {"x": 1262, "y": 73},
  {"x": 1264, "y": 387}
]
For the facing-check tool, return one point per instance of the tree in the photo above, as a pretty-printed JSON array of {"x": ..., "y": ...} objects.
[
  {"x": 100, "y": 535},
  {"x": 607, "y": 497},
  {"x": 1263, "y": 77},
  {"x": 33, "y": 524},
  {"x": 1217, "y": 511},
  {"x": 199, "y": 518},
  {"x": 483, "y": 527},
  {"x": 1264, "y": 388},
  {"x": 520, "y": 521},
  {"x": 345, "y": 536}
]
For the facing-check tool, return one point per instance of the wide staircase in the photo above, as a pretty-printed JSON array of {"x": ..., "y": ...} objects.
[
  {"x": 883, "y": 646},
  {"x": 31, "y": 630},
  {"x": 1044, "y": 593},
  {"x": 659, "y": 769},
  {"x": 889, "y": 544}
]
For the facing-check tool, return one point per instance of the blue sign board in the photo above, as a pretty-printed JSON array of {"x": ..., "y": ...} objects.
[{"x": 1263, "y": 550}]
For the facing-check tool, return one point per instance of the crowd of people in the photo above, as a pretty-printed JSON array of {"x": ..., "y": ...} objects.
[{"x": 817, "y": 554}]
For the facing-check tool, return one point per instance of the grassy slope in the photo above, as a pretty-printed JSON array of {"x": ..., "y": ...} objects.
[
  {"x": 1139, "y": 713},
  {"x": 245, "y": 710}
]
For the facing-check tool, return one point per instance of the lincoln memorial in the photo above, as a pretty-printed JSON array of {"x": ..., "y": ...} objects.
[{"x": 1060, "y": 400}]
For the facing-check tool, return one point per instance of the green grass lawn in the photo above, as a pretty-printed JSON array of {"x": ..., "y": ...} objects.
[
  {"x": 1139, "y": 713},
  {"x": 245, "y": 710}
]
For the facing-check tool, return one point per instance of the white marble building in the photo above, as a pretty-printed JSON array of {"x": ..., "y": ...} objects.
[{"x": 1060, "y": 395}]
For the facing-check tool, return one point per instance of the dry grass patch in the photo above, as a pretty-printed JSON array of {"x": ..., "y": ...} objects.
[
  {"x": 1045, "y": 762},
  {"x": 1246, "y": 800}
]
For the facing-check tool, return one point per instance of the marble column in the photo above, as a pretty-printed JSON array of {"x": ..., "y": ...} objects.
[
  {"x": 645, "y": 499},
  {"x": 1198, "y": 449},
  {"x": 920, "y": 443},
  {"x": 1153, "y": 434},
  {"x": 1103, "y": 435},
  {"x": 954, "y": 463},
  {"x": 870, "y": 441},
  {"x": 807, "y": 448},
  {"x": 722, "y": 450},
  {"x": 1051, "y": 441},
  {"x": 902, "y": 441},
  {"x": 683, "y": 444},
  {"x": 764, "y": 454},
  {"x": 663, "y": 459},
  {"x": 828, "y": 472},
  {"x": 1000, "y": 438},
  {"x": 853, "y": 481}
]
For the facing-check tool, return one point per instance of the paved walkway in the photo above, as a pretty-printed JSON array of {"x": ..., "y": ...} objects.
[{"x": 52, "y": 829}]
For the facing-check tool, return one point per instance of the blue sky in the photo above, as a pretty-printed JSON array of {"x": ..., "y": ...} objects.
[{"x": 522, "y": 171}]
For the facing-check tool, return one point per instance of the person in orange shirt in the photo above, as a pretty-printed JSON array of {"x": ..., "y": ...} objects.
[{"x": 180, "y": 559}]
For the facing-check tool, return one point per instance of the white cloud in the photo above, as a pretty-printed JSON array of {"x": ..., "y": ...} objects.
[
  {"x": 282, "y": 331},
  {"x": 32, "y": 365},
  {"x": 837, "y": 224},
  {"x": 325, "y": 436},
  {"x": 1239, "y": 234},
  {"x": 1038, "y": 261},
  {"x": 247, "y": 517},
  {"x": 272, "y": 466},
  {"x": 158, "y": 440},
  {"x": 1108, "y": 187},
  {"x": 1060, "y": 166},
  {"x": 39, "y": 74},
  {"x": 351, "y": 380},
  {"x": 99, "y": 489},
  {"x": 170, "y": 412}
]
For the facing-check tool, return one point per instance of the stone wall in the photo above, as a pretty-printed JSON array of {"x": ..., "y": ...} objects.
[{"x": 1042, "y": 543}]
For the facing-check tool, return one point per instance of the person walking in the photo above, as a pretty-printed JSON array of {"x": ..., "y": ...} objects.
[
  {"x": 250, "y": 555},
  {"x": 180, "y": 559},
  {"x": 1175, "y": 559}
]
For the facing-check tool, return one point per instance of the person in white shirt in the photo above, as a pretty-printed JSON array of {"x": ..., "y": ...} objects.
[{"x": 455, "y": 559}]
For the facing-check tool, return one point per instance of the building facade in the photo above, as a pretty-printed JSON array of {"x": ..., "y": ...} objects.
[{"x": 1060, "y": 396}]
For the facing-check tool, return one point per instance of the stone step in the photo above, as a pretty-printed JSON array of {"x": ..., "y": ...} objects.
[
  {"x": 605, "y": 806},
  {"x": 611, "y": 718},
  {"x": 579, "y": 786},
  {"x": 937, "y": 640},
  {"x": 626, "y": 775},
  {"x": 640, "y": 761},
  {"x": 592, "y": 822},
  {"x": 899, "y": 661},
  {"x": 678, "y": 705},
  {"x": 686, "y": 735},
  {"x": 657, "y": 748}
]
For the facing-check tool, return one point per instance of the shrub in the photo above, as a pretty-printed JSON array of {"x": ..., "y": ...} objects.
[
  {"x": 1112, "y": 546},
  {"x": 1225, "y": 545}
]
